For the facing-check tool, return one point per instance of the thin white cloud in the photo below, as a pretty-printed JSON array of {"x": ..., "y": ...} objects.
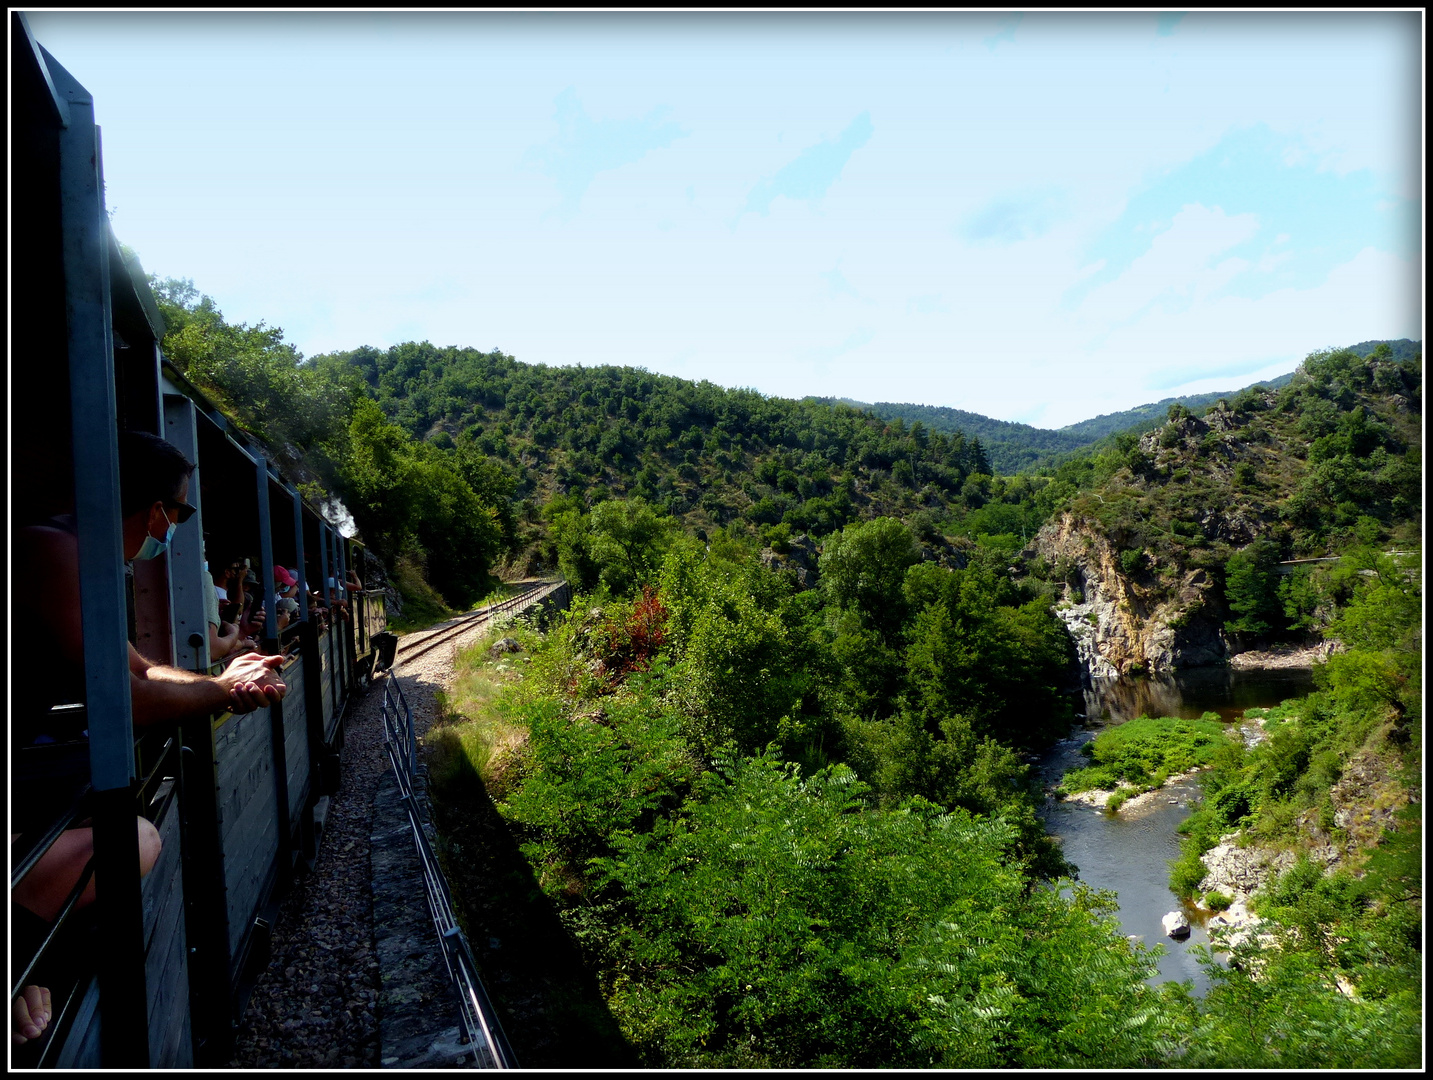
[
  {"x": 814, "y": 171},
  {"x": 1178, "y": 270},
  {"x": 584, "y": 147}
]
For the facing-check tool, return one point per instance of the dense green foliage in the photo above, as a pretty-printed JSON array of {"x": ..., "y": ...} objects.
[
  {"x": 1340, "y": 769},
  {"x": 1146, "y": 751},
  {"x": 769, "y": 862},
  {"x": 1368, "y": 706},
  {"x": 438, "y": 517},
  {"x": 762, "y": 877},
  {"x": 783, "y": 921}
]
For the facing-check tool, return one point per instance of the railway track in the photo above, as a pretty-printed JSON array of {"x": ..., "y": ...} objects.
[{"x": 413, "y": 646}]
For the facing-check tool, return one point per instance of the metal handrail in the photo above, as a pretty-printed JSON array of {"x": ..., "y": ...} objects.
[
  {"x": 52, "y": 833},
  {"x": 66, "y": 909},
  {"x": 480, "y": 1021},
  {"x": 36, "y": 851}
]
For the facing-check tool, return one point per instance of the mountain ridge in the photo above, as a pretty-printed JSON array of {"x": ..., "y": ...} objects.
[{"x": 1014, "y": 447}]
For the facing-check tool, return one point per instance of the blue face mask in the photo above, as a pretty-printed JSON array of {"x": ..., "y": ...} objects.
[{"x": 152, "y": 548}]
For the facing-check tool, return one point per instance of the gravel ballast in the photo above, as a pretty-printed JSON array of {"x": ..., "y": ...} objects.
[{"x": 317, "y": 1003}]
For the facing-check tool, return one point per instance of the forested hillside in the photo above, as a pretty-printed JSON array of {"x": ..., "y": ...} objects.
[
  {"x": 1172, "y": 545},
  {"x": 711, "y": 457},
  {"x": 772, "y": 771},
  {"x": 1144, "y": 417},
  {"x": 1011, "y": 446},
  {"x": 1016, "y": 447}
]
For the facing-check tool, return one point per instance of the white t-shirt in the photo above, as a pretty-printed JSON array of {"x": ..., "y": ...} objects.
[{"x": 211, "y": 598}]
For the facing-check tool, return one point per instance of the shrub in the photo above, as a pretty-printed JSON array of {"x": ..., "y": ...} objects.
[
  {"x": 1188, "y": 870},
  {"x": 1217, "y": 901},
  {"x": 1145, "y": 751},
  {"x": 635, "y": 635}
]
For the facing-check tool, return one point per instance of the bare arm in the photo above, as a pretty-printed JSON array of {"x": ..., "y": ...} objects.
[
  {"x": 159, "y": 692},
  {"x": 223, "y": 640}
]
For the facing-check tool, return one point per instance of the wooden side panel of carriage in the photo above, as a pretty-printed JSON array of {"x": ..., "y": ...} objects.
[
  {"x": 247, "y": 797},
  {"x": 166, "y": 967}
]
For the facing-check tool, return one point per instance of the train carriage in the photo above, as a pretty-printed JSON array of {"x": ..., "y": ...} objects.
[{"x": 156, "y": 971}]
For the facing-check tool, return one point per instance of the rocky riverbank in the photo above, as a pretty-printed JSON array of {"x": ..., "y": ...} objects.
[
  {"x": 1284, "y": 657},
  {"x": 1099, "y": 797}
]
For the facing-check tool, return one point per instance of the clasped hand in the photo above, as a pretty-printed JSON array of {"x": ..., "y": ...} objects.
[{"x": 254, "y": 682}]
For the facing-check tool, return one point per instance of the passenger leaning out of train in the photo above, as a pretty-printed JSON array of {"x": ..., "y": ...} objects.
[
  {"x": 337, "y": 602},
  {"x": 286, "y": 584},
  {"x": 230, "y": 587},
  {"x": 154, "y": 489},
  {"x": 287, "y": 609},
  {"x": 224, "y": 637}
]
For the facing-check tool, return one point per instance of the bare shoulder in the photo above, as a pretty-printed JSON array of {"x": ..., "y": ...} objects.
[
  {"x": 45, "y": 558},
  {"x": 40, "y": 541}
]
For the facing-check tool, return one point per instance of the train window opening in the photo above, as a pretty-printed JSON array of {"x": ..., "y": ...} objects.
[
  {"x": 232, "y": 542},
  {"x": 287, "y": 572}
]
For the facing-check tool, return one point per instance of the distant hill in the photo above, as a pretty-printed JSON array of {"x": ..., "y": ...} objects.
[
  {"x": 713, "y": 457},
  {"x": 1016, "y": 447},
  {"x": 1012, "y": 447},
  {"x": 1145, "y": 417}
]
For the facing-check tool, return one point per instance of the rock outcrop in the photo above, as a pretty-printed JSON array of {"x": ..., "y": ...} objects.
[
  {"x": 1124, "y": 622},
  {"x": 801, "y": 556},
  {"x": 1240, "y": 872},
  {"x": 506, "y": 645},
  {"x": 1287, "y": 656}
]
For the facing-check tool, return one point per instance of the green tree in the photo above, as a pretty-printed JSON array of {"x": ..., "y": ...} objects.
[
  {"x": 1251, "y": 589},
  {"x": 863, "y": 570},
  {"x": 403, "y": 493},
  {"x": 781, "y": 921},
  {"x": 627, "y": 540}
]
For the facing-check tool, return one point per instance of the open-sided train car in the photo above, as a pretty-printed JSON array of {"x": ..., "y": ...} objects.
[{"x": 156, "y": 971}]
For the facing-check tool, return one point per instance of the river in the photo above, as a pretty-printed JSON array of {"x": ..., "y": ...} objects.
[{"x": 1129, "y": 852}]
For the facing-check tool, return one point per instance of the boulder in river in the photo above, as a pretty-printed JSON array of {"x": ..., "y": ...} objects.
[{"x": 1176, "y": 925}]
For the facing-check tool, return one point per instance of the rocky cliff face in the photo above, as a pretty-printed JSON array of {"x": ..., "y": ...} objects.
[{"x": 1122, "y": 621}]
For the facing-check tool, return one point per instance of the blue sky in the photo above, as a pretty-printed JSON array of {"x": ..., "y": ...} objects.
[{"x": 1039, "y": 217}]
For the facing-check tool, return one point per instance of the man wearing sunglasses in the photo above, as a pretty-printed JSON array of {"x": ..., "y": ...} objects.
[
  {"x": 154, "y": 500},
  {"x": 154, "y": 494}
]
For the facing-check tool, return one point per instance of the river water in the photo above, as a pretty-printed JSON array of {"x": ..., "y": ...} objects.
[{"x": 1129, "y": 852}]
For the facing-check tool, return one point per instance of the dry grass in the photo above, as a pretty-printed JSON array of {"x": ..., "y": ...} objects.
[{"x": 473, "y": 737}]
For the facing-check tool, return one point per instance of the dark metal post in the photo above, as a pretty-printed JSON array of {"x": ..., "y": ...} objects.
[
  {"x": 340, "y": 578},
  {"x": 206, "y": 907},
  {"x": 299, "y": 550},
  {"x": 324, "y": 564},
  {"x": 125, "y": 1030},
  {"x": 266, "y": 554},
  {"x": 271, "y": 644},
  {"x": 186, "y": 553}
]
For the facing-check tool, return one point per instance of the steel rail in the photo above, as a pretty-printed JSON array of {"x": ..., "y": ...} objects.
[
  {"x": 469, "y": 620},
  {"x": 480, "y": 1022}
]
